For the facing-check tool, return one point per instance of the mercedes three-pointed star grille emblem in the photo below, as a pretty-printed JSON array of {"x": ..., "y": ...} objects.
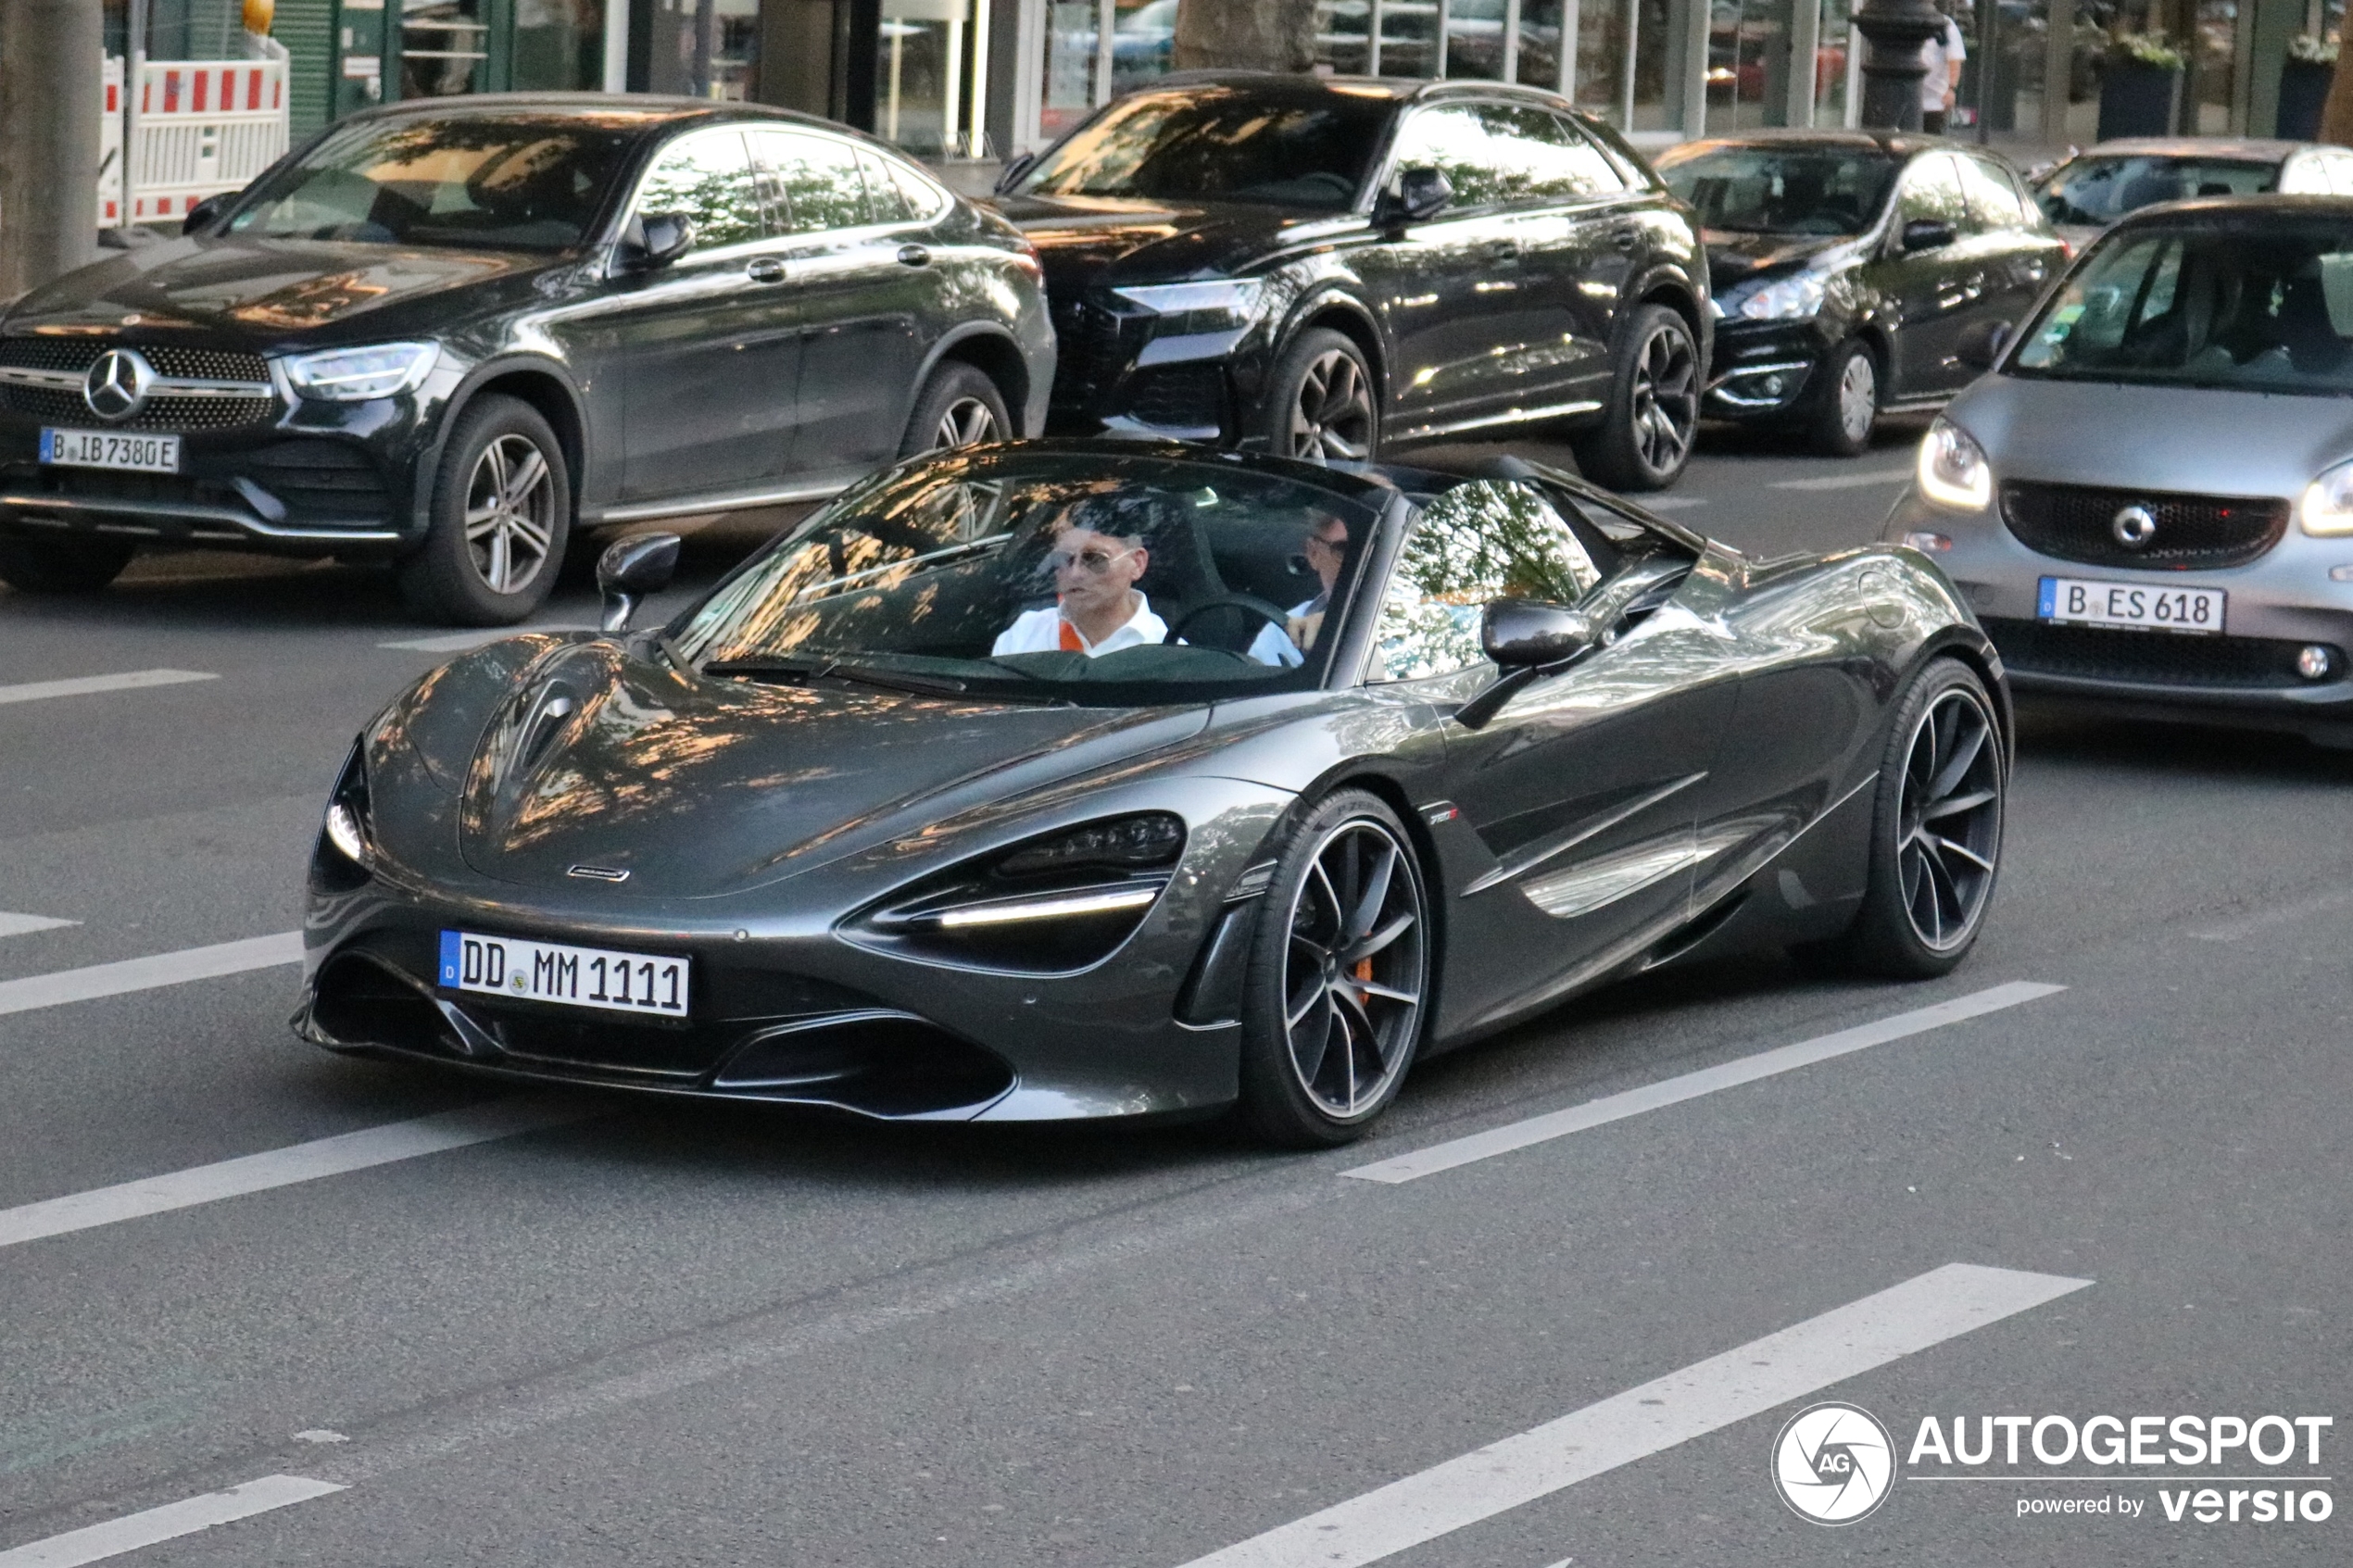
[{"x": 117, "y": 386}]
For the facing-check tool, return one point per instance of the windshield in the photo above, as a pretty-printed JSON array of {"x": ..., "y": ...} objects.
[
  {"x": 1780, "y": 190},
  {"x": 1220, "y": 143},
  {"x": 2101, "y": 189},
  {"x": 474, "y": 180},
  {"x": 2267, "y": 309},
  {"x": 1092, "y": 578}
]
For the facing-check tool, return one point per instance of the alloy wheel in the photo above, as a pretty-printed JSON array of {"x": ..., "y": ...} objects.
[
  {"x": 1332, "y": 416},
  {"x": 510, "y": 513},
  {"x": 1354, "y": 969},
  {"x": 1858, "y": 397},
  {"x": 1666, "y": 399},
  {"x": 965, "y": 423},
  {"x": 1949, "y": 830}
]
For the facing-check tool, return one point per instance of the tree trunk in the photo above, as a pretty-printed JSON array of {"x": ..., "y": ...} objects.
[
  {"x": 2337, "y": 115},
  {"x": 51, "y": 105},
  {"x": 1244, "y": 35}
]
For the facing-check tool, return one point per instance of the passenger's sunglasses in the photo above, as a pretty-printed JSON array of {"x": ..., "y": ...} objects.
[{"x": 1094, "y": 562}]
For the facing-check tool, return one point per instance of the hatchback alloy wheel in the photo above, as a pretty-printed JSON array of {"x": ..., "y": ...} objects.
[
  {"x": 1355, "y": 968},
  {"x": 1666, "y": 399},
  {"x": 1332, "y": 415},
  {"x": 1857, "y": 398},
  {"x": 510, "y": 513},
  {"x": 1950, "y": 822},
  {"x": 965, "y": 423}
]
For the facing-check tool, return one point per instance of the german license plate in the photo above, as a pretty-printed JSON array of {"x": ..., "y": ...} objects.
[
  {"x": 2137, "y": 606},
  {"x": 599, "y": 978},
  {"x": 109, "y": 450}
]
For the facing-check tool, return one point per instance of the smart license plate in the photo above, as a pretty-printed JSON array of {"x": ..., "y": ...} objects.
[
  {"x": 599, "y": 978},
  {"x": 2135, "y": 605},
  {"x": 109, "y": 449}
]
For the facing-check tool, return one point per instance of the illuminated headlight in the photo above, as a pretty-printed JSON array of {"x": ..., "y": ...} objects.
[
  {"x": 2326, "y": 508},
  {"x": 1953, "y": 470},
  {"x": 345, "y": 858},
  {"x": 345, "y": 832},
  {"x": 1225, "y": 305},
  {"x": 1784, "y": 299},
  {"x": 356, "y": 376}
]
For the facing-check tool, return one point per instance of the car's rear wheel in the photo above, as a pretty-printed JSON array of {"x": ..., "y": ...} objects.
[
  {"x": 1645, "y": 434},
  {"x": 62, "y": 566},
  {"x": 1846, "y": 406},
  {"x": 1322, "y": 404},
  {"x": 960, "y": 406},
  {"x": 501, "y": 512},
  {"x": 1936, "y": 831},
  {"x": 1333, "y": 1001}
]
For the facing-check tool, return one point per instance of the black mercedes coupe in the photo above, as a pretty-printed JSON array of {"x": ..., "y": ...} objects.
[{"x": 1059, "y": 780}]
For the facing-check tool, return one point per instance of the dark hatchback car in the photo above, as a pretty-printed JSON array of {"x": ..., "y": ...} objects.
[
  {"x": 445, "y": 336},
  {"x": 1321, "y": 267},
  {"x": 1860, "y": 272}
]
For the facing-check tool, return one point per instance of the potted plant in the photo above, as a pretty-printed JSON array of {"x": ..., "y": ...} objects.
[
  {"x": 2141, "y": 86},
  {"x": 2304, "y": 85}
]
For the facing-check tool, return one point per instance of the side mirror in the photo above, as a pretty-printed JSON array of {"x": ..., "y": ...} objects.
[
  {"x": 1418, "y": 193},
  {"x": 202, "y": 216},
  {"x": 629, "y": 570},
  {"x": 1926, "y": 233},
  {"x": 1013, "y": 171},
  {"x": 656, "y": 239},
  {"x": 1981, "y": 344},
  {"x": 1520, "y": 634}
]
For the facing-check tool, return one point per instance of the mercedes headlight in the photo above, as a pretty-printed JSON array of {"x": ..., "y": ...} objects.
[
  {"x": 356, "y": 375},
  {"x": 1953, "y": 470},
  {"x": 1785, "y": 299},
  {"x": 1227, "y": 305},
  {"x": 2326, "y": 508}
]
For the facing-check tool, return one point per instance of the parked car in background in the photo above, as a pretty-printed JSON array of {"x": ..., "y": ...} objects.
[
  {"x": 2149, "y": 500},
  {"x": 1330, "y": 266},
  {"x": 447, "y": 334},
  {"x": 1848, "y": 265},
  {"x": 2085, "y": 191}
]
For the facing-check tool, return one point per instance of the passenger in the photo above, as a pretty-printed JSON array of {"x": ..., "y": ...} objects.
[
  {"x": 1323, "y": 550},
  {"x": 1097, "y": 608}
]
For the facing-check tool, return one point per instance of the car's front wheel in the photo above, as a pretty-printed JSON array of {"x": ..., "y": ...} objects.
[
  {"x": 501, "y": 512},
  {"x": 1645, "y": 434},
  {"x": 959, "y": 407},
  {"x": 62, "y": 566},
  {"x": 1846, "y": 405},
  {"x": 1322, "y": 404},
  {"x": 1333, "y": 999}
]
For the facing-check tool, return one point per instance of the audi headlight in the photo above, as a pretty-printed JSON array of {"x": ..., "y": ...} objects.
[
  {"x": 1785, "y": 299},
  {"x": 356, "y": 375},
  {"x": 1223, "y": 306},
  {"x": 1953, "y": 470},
  {"x": 2326, "y": 508}
]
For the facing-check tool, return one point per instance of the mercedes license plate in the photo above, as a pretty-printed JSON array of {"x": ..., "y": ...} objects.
[
  {"x": 2136, "y": 606},
  {"x": 552, "y": 972},
  {"x": 109, "y": 450}
]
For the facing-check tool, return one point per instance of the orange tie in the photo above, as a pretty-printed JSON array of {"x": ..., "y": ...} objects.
[{"x": 1070, "y": 640}]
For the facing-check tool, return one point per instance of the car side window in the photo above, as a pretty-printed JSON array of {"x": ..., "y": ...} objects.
[
  {"x": 1931, "y": 190},
  {"x": 815, "y": 180},
  {"x": 1488, "y": 539},
  {"x": 1451, "y": 139},
  {"x": 1993, "y": 201},
  {"x": 885, "y": 202},
  {"x": 706, "y": 176},
  {"x": 1539, "y": 157}
]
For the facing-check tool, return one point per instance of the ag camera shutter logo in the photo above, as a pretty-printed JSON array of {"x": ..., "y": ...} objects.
[{"x": 1834, "y": 1463}]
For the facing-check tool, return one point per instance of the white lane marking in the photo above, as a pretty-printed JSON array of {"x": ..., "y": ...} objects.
[
  {"x": 461, "y": 642},
  {"x": 1671, "y": 503},
  {"x": 1847, "y": 481},
  {"x": 1799, "y": 1361},
  {"x": 84, "y": 685},
  {"x": 1691, "y": 1085},
  {"x": 295, "y": 1163},
  {"x": 95, "y": 1543},
  {"x": 20, "y": 925},
  {"x": 146, "y": 974}
]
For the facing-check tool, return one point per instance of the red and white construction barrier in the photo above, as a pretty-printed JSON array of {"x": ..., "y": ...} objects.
[{"x": 205, "y": 127}]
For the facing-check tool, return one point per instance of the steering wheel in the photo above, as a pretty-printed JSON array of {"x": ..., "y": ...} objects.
[{"x": 1272, "y": 614}]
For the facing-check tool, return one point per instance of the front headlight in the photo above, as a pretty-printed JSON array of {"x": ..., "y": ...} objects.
[
  {"x": 345, "y": 856},
  {"x": 356, "y": 375},
  {"x": 1225, "y": 305},
  {"x": 2325, "y": 510},
  {"x": 1953, "y": 470},
  {"x": 1785, "y": 299}
]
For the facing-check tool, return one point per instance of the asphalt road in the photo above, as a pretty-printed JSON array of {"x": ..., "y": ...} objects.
[{"x": 666, "y": 1336}]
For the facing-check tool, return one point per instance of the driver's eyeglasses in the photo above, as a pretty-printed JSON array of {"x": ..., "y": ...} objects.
[{"x": 1095, "y": 563}]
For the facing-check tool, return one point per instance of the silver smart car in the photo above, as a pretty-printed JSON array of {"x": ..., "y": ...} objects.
[{"x": 2148, "y": 500}]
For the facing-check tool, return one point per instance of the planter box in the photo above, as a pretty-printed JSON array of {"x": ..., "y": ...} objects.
[
  {"x": 2304, "y": 87},
  {"x": 2137, "y": 100}
]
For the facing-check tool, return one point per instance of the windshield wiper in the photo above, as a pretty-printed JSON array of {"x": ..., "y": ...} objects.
[{"x": 798, "y": 669}]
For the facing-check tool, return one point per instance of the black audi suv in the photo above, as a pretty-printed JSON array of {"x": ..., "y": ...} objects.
[
  {"x": 1855, "y": 271},
  {"x": 1325, "y": 266},
  {"x": 447, "y": 335}
]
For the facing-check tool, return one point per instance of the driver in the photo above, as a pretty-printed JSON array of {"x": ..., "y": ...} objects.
[
  {"x": 1322, "y": 550},
  {"x": 1097, "y": 608}
]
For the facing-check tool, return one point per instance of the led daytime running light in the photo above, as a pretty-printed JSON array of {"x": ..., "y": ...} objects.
[
  {"x": 2325, "y": 510},
  {"x": 1953, "y": 470},
  {"x": 1053, "y": 907}
]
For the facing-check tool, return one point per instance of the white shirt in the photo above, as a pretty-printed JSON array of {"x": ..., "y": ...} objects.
[
  {"x": 1274, "y": 645},
  {"x": 1041, "y": 631},
  {"x": 1940, "y": 55}
]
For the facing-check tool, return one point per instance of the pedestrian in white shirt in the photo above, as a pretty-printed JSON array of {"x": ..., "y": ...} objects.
[
  {"x": 1943, "y": 55},
  {"x": 1097, "y": 608}
]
